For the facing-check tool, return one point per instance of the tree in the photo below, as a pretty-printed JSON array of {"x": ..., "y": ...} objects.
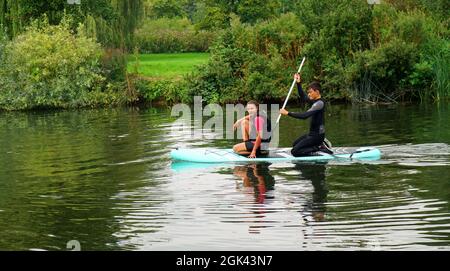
[
  {"x": 113, "y": 21},
  {"x": 167, "y": 8},
  {"x": 251, "y": 11}
]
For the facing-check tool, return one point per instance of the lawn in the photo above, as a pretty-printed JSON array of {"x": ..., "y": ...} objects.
[{"x": 167, "y": 66}]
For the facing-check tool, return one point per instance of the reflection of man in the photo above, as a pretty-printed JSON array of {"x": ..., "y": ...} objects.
[
  {"x": 256, "y": 176},
  {"x": 316, "y": 174}
]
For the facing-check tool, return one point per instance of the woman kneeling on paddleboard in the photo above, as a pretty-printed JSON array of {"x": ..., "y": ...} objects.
[
  {"x": 256, "y": 129},
  {"x": 309, "y": 143}
]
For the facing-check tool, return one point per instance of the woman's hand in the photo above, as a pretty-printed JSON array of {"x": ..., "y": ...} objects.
[
  {"x": 297, "y": 78},
  {"x": 237, "y": 124},
  {"x": 252, "y": 155}
]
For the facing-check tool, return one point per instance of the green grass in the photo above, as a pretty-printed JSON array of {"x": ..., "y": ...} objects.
[{"x": 167, "y": 66}]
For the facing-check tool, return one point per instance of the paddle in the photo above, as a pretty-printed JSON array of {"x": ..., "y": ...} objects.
[{"x": 289, "y": 94}]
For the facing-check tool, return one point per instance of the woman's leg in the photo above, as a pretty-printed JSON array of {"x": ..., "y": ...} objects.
[{"x": 241, "y": 149}]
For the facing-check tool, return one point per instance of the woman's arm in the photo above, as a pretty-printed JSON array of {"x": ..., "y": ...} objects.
[
  {"x": 256, "y": 146},
  {"x": 238, "y": 122}
]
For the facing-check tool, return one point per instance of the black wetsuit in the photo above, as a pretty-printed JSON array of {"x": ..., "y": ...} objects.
[{"x": 310, "y": 142}]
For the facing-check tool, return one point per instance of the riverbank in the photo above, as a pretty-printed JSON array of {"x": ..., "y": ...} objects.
[{"x": 388, "y": 53}]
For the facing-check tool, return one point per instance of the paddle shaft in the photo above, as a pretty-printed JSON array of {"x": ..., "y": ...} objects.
[{"x": 289, "y": 94}]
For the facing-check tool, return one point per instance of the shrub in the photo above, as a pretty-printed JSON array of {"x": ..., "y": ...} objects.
[
  {"x": 51, "y": 67},
  {"x": 167, "y": 91},
  {"x": 250, "y": 62},
  {"x": 381, "y": 71},
  {"x": 166, "y": 8},
  {"x": 114, "y": 63},
  {"x": 212, "y": 19},
  {"x": 379, "y": 55}
]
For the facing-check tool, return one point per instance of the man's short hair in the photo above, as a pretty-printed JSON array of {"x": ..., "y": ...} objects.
[{"x": 315, "y": 85}]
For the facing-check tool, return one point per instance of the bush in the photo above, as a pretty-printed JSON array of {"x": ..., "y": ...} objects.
[
  {"x": 170, "y": 92},
  {"x": 51, "y": 67},
  {"x": 166, "y": 8},
  {"x": 114, "y": 64},
  {"x": 250, "y": 62},
  {"x": 172, "y": 36},
  {"x": 379, "y": 55},
  {"x": 381, "y": 71},
  {"x": 211, "y": 19},
  {"x": 427, "y": 75},
  {"x": 252, "y": 11}
]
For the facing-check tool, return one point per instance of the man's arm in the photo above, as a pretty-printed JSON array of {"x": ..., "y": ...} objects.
[
  {"x": 313, "y": 110},
  {"x": 302, "y": 94}
]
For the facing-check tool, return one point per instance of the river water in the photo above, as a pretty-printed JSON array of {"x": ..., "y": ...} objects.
[{"x": 104, "y": 178}]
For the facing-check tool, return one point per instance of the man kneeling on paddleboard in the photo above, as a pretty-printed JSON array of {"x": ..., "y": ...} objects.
[
  {"x": 309, "y": 143},
  {"x": 256, "y": 129}
]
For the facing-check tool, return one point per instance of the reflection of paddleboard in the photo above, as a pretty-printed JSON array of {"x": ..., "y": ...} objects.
[
  {"x": 184, "y": 166},
  {"x": 228, "y": 156}
]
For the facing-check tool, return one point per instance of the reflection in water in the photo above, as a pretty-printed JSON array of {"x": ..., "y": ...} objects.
[
  {"x": 257, "y": 180},
  {"x": 316, "y": 174},
  {"x": 257, "y": 177}
]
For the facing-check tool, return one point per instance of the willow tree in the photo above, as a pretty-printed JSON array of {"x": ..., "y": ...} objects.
[
  {"x": 129, "y": 15},
  {"x": 11, "y": 18},
  {"x": 112, "y": 22}
]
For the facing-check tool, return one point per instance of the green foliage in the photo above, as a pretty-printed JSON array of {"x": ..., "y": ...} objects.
[
  {"x": 166, "y": 9},
  {"x": 52, "y": 67},
  {"x": 15, "y": 15},
  {"x": 379, "y": 54},
  {"x": 251, "y": 11},
  {"x": 218, "y": 81},
  {"x": 396, "y": 50},
  {"x": 172, "y": 35},
  {"x": 114, "y": 64},
  {"x": 314, "y": 13},
  {"x": 358, "y": 52},
  {"x": 112, "y": 21},
  {"x": 3, "y": 42},
  {"x": 441, "y": 71},
  {"x": 169, "y": 92},
  {"x": 249, "y": 62},
  {"x": 439, "y": 8},
  {"x": 212, "y": 18},
  {"x": 383, "y": 68}
]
